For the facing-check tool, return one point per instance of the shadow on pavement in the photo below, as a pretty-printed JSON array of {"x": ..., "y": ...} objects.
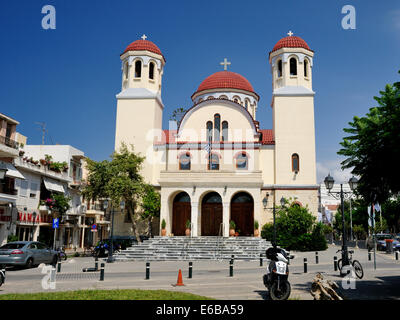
[{"x": 386, "y": 288}]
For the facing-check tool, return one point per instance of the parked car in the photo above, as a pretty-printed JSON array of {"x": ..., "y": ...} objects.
[
  {"x": 381, "y": 241},
  {"x": 27, "y": 253}
]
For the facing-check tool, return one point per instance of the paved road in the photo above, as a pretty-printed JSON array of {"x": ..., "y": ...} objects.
[{"x": 211, "y": 278}]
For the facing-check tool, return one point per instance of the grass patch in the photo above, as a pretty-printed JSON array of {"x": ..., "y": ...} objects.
[{"x": 125, "y": 294}]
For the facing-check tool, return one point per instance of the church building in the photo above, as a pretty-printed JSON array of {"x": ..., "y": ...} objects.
[{"x": 217, "y": 164}]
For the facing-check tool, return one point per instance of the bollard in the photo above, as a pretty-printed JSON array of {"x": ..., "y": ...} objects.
[
  {"x": 335, "y": 265},
  {"x": 147, "y": 270},
  {"x": 102, "y": 272},
  {"x": 231, "y": 268},
  {"x": 305, "y": 265},
  {"x": 369, "y": 256},
  {"x": 261, "y": 260},
  {"x": 397, "y": 255},
  {"x": 233, "y": 257},
  {"x": 53, "y": 274},
  {"x": 96, "y": 263},
  {"x": 59, "y": 266},
  {"x": 316, "y": 257},
  {"x": 190, "y": 269}
]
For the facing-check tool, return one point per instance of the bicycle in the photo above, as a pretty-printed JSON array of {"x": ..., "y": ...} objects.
[
  {"x": 355, "y": 263},
  {"x": 2, "y": 276}
]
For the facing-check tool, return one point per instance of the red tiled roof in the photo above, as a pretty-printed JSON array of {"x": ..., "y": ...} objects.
[
  {"x": 143, "y": 45},
  {"x": 267, "y": 136},
  {"x": 167, "y": 137},
  {"x": 291, "y": 42},
  {"x": 225, "y": 79},
  {"x": 332, "y": 206}
]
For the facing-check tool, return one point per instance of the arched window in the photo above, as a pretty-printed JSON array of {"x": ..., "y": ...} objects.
[
  {"x": 293, "y": 66},
  {"x": 295, "y": 163},
  {"x": 246, "y": 104},
  {"x": 279, "y": 68},
  {"x": 213, "y": 162},
  {"x": 138, "y": 69},
  {"x": 224, "y": 130},
  {"x": 151, "y": 70},
  {"x": 242, "y": 161},
  {"x": 305, "y": 68},
  {"x": 184, "y": 161},
  {"x": 126, "y": 69},
  {"x": 209, "y": 131},
  {"x": 217, "y": 127}
]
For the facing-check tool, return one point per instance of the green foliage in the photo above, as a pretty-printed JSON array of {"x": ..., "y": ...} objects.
[
  {"x": 232, "y": 225},
  {"x": 177, "y": 114},
  {"x": 188, "y": 224},
  {"x": 296, "y": 229},
  {"x": 256, "y": 225},
  {"x": 61, "y": 203},
  {"x": 12, "y": 237},
  {"x": 267, "y": 231},
  {"x": 359, "y": 232},
  {"x": 163, "y": 224},
  {"x": 372, "y": 147},
  {"x": 151, "y": 203}
]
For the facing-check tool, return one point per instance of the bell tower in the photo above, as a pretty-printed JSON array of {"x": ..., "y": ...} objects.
[
  {"x": 291, "y": 62},
  {"x": 139, "y": 104}
]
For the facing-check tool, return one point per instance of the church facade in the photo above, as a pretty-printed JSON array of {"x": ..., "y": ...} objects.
[{"x": 217, "y": 165}]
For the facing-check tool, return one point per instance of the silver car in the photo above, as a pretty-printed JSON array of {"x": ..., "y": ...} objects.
[{"x": 26, "y": 253}]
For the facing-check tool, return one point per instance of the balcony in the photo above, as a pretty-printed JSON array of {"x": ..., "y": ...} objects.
[{"x": 8, "y": 142}]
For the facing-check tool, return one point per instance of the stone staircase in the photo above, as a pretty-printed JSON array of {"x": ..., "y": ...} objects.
[{"x": 196, "y": 248}]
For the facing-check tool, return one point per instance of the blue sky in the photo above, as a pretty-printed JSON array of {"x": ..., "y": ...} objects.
[{"x": 68, "y": 77}]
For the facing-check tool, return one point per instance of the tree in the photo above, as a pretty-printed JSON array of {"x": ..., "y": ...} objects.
[
  {"x": 372, "y": 148},
  {"x": 118, "y": 180},
  {"x": 151, "y": 204},
  {"x": 296, "y": 229},
  {"x": 177, "y": 114}
]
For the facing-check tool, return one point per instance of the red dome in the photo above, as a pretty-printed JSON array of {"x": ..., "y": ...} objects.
[
  {"x": 225, "y": 79},
  {"x": 291, "y": 42},
  {"x": 143, "y": 45}
]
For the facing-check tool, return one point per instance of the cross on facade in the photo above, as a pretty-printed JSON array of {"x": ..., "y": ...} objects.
[
  {"x": 225, "y": 64},
  {"x": 290, "y": 33},
  {"x": 144, "y": 37}
]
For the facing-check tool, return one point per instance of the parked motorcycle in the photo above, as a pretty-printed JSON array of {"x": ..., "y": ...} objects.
[
  {"x": 276, "y": 279},
  {"x": 2, "y": 276}
]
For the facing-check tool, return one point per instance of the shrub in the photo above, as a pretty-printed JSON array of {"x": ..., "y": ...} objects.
[
  {"x": 256, "y": 225},
  {"x": 232, "y": 225},
  {"x": 267, "y": 231},
  {"x": 163, "y": 224}
]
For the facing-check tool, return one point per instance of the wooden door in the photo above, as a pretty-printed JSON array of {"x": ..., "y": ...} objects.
[
  {"x": 211, "y": 219},
  {"x": 181, "y": 213},
  {"x": 242, "y": 215}
]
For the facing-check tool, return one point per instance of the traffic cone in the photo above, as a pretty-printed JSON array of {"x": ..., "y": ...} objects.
[{"x": 179, "y": 282}]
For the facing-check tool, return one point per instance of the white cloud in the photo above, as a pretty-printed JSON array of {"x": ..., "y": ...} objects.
[{"x": 333, "y": 168}]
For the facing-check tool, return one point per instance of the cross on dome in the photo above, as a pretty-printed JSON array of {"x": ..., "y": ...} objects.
[
  {"x": 144, "y": 37},
  {"x": 290, "y": 33},
  {"x": 225, "y": 64}
]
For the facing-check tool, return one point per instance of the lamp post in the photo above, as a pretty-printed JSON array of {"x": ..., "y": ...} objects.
[
  {"x": 110, "y": 258},
  {"x": 329, "y": 182},
  {"x": 265, "y": 203}
]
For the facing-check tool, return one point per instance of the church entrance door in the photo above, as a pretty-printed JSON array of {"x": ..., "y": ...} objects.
[
  {"x": 211, "y": 214},
  {"x": 242, "y": 213},
  {"x": 181, "y": 212}
]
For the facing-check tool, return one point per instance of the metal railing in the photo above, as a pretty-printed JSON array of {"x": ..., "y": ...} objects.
[{"x": 9, "y": 142}]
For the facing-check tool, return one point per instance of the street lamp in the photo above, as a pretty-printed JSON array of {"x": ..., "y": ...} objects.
[
  {"x": 329, "y": 182},
  {"x": 265, "y": 202},
  {"x": 122, "y": 207}
]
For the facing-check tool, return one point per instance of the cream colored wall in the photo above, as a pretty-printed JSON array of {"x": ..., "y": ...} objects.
[
  {"x": 267, "y": 163},
  {"x": 294, "y": 133},
  {"x": 194, "y": 127},
  {"x": 137, "y": 122}
]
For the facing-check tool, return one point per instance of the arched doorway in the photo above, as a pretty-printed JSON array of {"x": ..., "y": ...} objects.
[
  {"x": 181, "y": 212},
  {"x": 242, "y": 213},
  {"x": 211, "y": 214}
]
